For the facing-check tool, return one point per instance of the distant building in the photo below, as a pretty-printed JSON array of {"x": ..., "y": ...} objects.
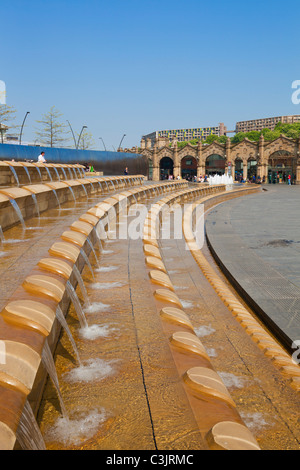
[
  {"x": 265, "y": 123},
  {"x": 3, "y": 131},
  {"x": 184, "y": 135}
]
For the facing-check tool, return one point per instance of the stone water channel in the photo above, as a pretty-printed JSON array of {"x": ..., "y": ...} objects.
[{"x": 118, "y": 384}]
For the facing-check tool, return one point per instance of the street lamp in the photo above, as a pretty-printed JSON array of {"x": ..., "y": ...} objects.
[
  {"x": 103, "y": 143},
  {"x": 83, "y": 127},
  {"x": 122, "y": 140},
  {"x": 20, "y": 138},
  {"x": 72, "y": 133}
]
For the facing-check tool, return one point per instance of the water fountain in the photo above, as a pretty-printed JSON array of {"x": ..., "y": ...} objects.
[{"x": 220, "y": 179}]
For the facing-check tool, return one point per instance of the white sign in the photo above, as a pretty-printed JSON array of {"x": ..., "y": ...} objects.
[{"x": 2, "y": 92}]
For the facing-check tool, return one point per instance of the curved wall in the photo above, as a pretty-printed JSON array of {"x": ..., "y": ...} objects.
[{"x": 111, "y": 163}]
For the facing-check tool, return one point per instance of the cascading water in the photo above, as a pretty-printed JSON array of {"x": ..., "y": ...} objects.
[
  {"x": 61, "y": 318},
  {"x": 81, "y": 285},
  {"x": 49, "y": 365},
  {"x": 28, "y": 174},
  {"x": 15, "y": 174},
  {"x": 77, "y": 305},
  {"x": 57, "y": 174},
  {"x": 49, "y": 174},
  {"x": 84, "y": 188},
  {"x": 87, "y": 261},
  {"x": 18, "y": 212},
  {"x": 72, "y": 192},
  {"x": 56, "y": 196},
  {"x": 36, "y": 204},
  {"x": 63, "y": 170},
  {"x": 93, "y": 250},
  {"x": 39, "y": 172},
  {"x": 28, "y": 433}
]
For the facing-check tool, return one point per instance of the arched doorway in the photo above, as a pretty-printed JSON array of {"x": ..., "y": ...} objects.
[
  {"x": 282, "y": 167},
  {"x": 252, "y": 169},
  {"x": 188, "y": 168},
  {"x": 239, "y": 167},
  {"x": 166, "y": 167},
  {"x": 215, "y": 165}
]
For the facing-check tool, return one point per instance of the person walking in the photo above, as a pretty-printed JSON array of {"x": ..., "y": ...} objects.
[{"x": 289, "y": 179}]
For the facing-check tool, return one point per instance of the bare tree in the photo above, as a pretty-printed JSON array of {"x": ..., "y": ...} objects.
[
  {"x": 86, "y": 141},
  {"x": 7, "y": 114},
  {"x": 53, "y": 133}
]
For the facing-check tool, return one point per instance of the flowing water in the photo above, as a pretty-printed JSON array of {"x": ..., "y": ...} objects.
[
  {"x": 18, "y": 212},
  {"x": 61, "y": 318},
  {"x": 28, "y": 174},
  {"x": 77, "y": 305},
  {"x": 28, "y": 433},
  {"x": 81, "y": 285},
  {"x": 15, "y": 175},
  {"x": 49, "y": 365}
]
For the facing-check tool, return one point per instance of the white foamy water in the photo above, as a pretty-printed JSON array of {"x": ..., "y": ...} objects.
[
  {"x": 255, "y": 421},
  {"x": 232, "y": 381},
  {"x": 186, "y": 303},
  {"x": 91, "y": 371},
  {"x": 96, "y": 307},
  {"x": 106, "y": 285},
  {"x": 12, "y": 240},
  {"x": 202, "y": 331},
  {"x": 96, "y": 331},
  {"x": 76, "y": 431},
  {"x": 212, "y": 352},
  {"x": 106, "y": 269}
]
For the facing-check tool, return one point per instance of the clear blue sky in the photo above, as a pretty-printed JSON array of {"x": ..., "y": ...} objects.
[{"x": 132, "y": 67}]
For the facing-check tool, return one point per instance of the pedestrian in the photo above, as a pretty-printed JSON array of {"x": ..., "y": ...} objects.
[
  {"x": 126, "y": 171},
  {"x": 41, "y": 158},
  {"x": 289, "y": 179}
]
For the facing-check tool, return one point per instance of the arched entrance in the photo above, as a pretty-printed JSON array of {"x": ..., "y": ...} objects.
[
  {"x": 239, "y": 166},
  {"x": 188, "y": 168},
  {"x": 282, "y": 167},
  {"x": 215, "y": 165},
  {"x": 166, "y": 167},
  {"x": 252, "y": 169}
]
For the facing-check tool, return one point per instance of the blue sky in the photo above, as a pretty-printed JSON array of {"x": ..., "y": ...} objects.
[{"x": 132, "y": 67}]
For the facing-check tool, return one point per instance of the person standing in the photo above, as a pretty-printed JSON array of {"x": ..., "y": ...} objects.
[
  {"x": 126, "y": 171},
  {"x": 41, "y": 158},
  {"x": 289, "y": 179}
]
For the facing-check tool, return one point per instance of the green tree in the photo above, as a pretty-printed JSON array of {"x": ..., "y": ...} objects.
[
  {"x": 52, "y": 133},
  {"x": 211, "y": 138},
  {"x": 239, "y": 137}
]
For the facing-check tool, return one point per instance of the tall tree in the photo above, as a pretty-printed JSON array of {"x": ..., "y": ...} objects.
[
  {"x": 52, "y": 133},
  {"x": 7, "y": 114},
  {"x": 86, "y": 141}
]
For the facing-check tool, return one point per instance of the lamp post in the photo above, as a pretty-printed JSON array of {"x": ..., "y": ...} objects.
[
  {"x": 122, "y": 140},
  {"x": 83, "y": 127},
  {"x": 72, "y": 133},
  {"x": 103, "y": 143},
  {"x": 20, "y": 138}
]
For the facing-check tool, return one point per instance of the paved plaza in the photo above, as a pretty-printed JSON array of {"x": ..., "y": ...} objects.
[{"x": 257, "y": 240}]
